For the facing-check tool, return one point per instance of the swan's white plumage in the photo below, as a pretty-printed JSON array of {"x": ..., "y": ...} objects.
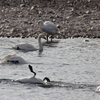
[
  {"x": 24, "y": 46},
  {"x": 29, "y": 47},
  {"x": 33, "y": 80},
  {"x": 13, "y": 59},
  {"x": 49, "y": 27}
]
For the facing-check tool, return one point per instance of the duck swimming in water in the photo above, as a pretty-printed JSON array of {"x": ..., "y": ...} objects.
[{"x": 33, "y": 79}]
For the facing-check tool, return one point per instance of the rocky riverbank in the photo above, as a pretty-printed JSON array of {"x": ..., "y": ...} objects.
[{"x": 75, "y": 19}]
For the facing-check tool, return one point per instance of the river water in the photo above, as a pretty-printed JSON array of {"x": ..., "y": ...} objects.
[{"x": 73, "y": 66}]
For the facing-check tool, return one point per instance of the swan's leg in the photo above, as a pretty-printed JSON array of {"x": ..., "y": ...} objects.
[
  {"x": 47, "y": 38},
  {"x": 51, "y": 39}
]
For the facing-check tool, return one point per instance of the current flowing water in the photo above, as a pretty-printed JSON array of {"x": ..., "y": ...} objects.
[{"x": 73, "y": 66}]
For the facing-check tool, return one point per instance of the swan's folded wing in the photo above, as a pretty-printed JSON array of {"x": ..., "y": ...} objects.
[
  {"x": 19, "y": 59},
  {"x": 49, "y": 27},
  {"x": 24, "y": 46}
]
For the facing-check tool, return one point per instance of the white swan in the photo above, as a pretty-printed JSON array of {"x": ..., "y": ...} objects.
[
  {"x": 29, "y": 47},
  {"x": 98, "y": 89},
  {"x": 48, "y": 27},
  {"x": 33, "y": 79},
  {"x": 13, "y": 59}
]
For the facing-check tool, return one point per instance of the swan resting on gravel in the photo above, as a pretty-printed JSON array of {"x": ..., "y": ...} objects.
[
  {"x": 33, "y": 79},
  {"x": 29, "y": 47},
  {"x": 13, "y": 59},
  {"x": 49, "y": 27}
]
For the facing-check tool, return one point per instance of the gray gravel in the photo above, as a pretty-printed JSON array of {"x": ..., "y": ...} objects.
[{"x": 20, "y": 20}]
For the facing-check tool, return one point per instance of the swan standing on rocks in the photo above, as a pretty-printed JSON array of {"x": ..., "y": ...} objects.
[
  {"x": 49, "y": 27},
  {"x": 29, "y": 47},
  {"x": 33, "y": 79},
  {"x": 13, "y": 59}
]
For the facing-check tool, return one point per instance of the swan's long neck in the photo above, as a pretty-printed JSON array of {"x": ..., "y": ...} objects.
[{"x": 40, "y": 44}]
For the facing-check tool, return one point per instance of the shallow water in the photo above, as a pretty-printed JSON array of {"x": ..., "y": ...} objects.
[{"x": 73, "y": 66}]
